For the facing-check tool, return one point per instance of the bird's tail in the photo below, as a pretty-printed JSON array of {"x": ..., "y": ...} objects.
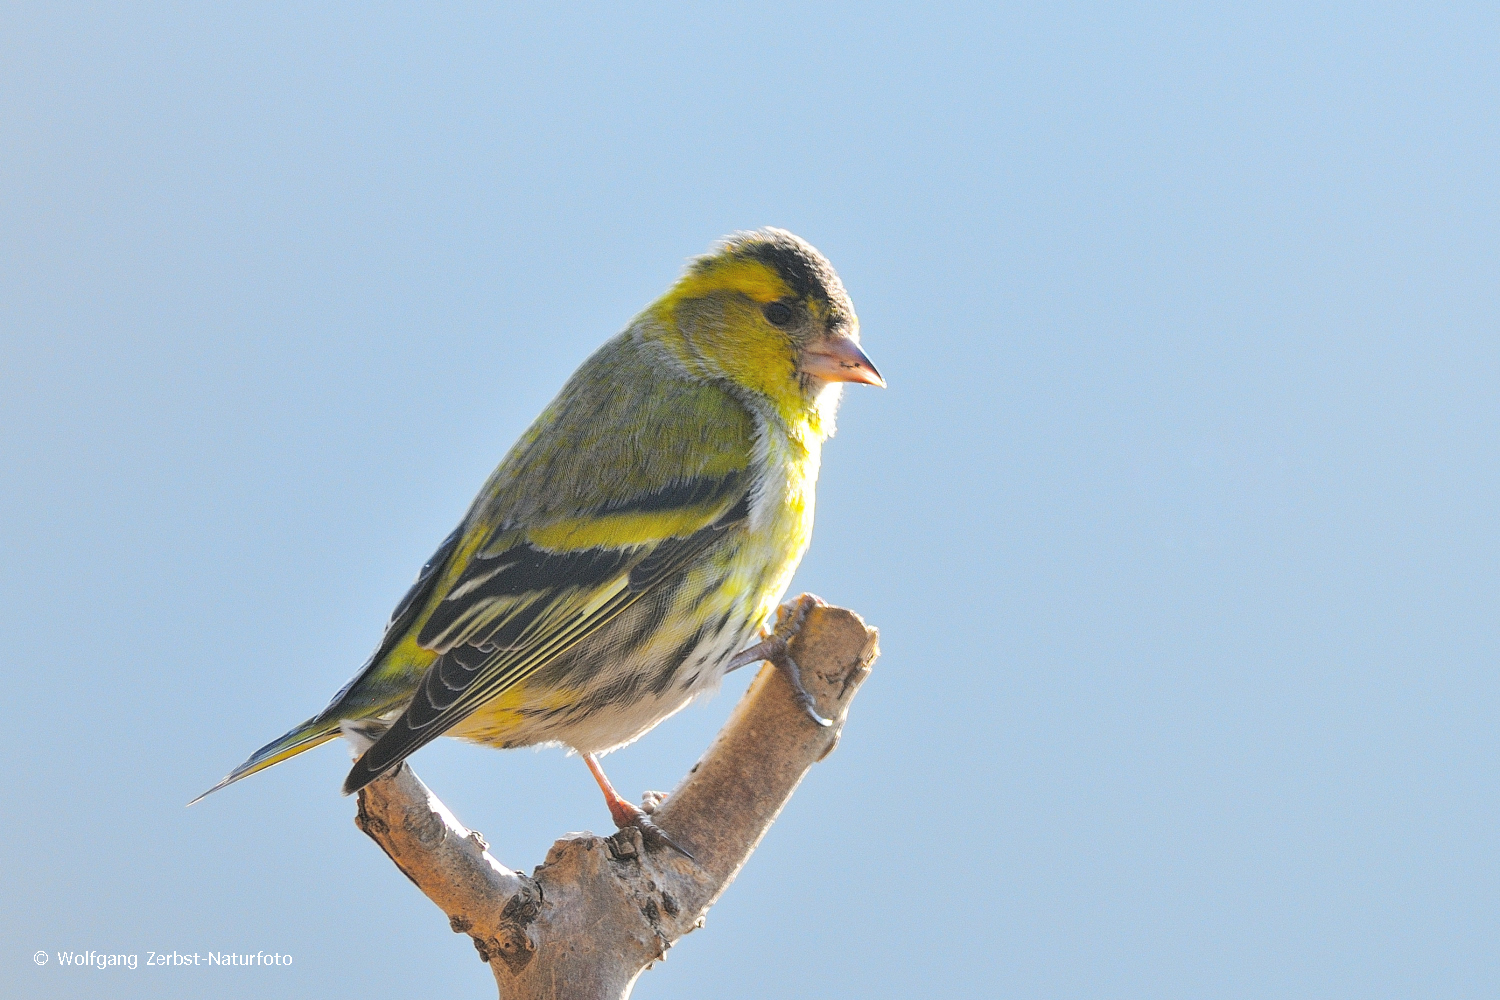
[{"x": 314, "y": 732}]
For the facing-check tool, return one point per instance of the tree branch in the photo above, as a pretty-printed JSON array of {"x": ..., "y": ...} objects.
[{"x": 600, "y": 910}]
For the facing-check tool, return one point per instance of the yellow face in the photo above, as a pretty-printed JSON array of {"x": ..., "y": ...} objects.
[
  {"x": 742, "y": 320},
  {"x": 722, "y": 316}
]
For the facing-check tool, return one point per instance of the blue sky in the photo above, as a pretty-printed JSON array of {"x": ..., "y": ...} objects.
[{"x": 1178, "y": 517}]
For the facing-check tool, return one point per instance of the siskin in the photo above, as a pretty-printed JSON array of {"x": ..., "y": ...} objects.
[{"x": 633, "y": 542}]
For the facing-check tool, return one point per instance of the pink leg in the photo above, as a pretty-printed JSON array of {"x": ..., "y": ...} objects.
[{"x": 626, "y": 813}]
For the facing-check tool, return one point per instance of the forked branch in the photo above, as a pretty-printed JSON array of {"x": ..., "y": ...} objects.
[{"x": 600, "y": 910}]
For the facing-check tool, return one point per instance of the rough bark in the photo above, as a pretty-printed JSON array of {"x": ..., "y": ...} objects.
[{"x": 600, "y": 910}]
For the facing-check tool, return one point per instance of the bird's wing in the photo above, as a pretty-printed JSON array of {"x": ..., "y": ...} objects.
[
  {"x": 518, "y": 606},
  {"x": 630, "y": 474}
]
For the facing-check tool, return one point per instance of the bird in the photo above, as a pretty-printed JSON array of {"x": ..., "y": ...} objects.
[{"x": 634, "y": 545}]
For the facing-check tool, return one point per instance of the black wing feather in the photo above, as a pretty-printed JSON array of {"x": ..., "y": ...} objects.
[
  {"x": 487, "y": 662},
  {"x": 520, "y": 570}
]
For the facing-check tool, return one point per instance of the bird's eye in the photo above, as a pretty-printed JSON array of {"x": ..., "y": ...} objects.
[{"x": 778, "y": 314}]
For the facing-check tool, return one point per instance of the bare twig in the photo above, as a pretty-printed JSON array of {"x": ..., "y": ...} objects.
[{"x": 600, "y": 910}]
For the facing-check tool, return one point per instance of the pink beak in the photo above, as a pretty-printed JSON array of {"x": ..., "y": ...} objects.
[{"x": 839, "y": 359}]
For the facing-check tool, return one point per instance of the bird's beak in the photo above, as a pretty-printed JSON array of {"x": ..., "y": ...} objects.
[{"x": 839, "y": 359}]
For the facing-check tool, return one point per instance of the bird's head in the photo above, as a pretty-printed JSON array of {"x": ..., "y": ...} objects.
[{"x": 767, "y": 312}]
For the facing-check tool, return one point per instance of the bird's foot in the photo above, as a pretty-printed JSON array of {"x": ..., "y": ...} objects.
[
  {"x": 775, "y": 649},
  {"x": 626, "y": 814}
]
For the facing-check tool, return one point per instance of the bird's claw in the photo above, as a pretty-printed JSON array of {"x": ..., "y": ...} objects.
[
  {"x": 793, "y": 674},
  {"x": 651, "y": 833},
  {"x": 775, "y": 649},
  {"x": 628, "y": 814}
]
